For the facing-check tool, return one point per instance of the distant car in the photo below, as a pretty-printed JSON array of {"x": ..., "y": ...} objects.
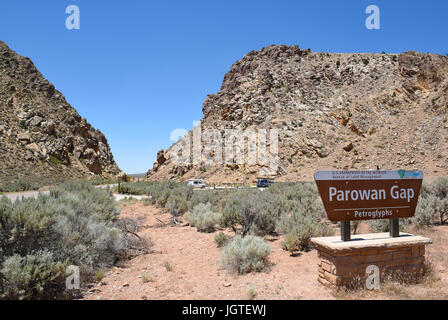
[
  {"x": 196, "y": 183},
  {"x": 264, "y": 183}
]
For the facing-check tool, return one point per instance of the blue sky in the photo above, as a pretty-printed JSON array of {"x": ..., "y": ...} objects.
[{"x": 139, "y": 69}]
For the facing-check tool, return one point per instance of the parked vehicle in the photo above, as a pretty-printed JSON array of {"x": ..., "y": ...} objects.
[
  {"x": 264, "y": 183},
  {"x": 196, "y": 183}
]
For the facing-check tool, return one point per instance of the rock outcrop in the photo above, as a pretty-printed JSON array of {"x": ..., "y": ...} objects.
[
  {"x": 42, "y": 138},
  {"x": 333, "y": 111}
]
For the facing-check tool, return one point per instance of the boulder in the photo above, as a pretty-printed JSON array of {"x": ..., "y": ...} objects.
[
  {"x": 161, "y": 157},
  {"x": 36, "y": 121},
  {"x": 348, "y": 147},
  {"x": 34, "y": 148},
  {"x": 24, "y": 137}
]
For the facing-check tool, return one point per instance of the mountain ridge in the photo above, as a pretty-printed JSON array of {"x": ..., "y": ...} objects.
[
  {"x": 42, "y": 137},
  {"x": 335, "y": 111}
]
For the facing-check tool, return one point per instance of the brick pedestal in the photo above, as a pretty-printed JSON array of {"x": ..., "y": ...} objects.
[{"x": 344, "y": 264}]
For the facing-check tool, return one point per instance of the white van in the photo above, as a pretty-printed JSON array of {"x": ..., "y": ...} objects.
[{"x": 196, "y": 183}]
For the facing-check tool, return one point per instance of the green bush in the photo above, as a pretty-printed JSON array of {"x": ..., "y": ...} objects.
[
  {"x": 19, "y": 186},
  {"x": 36, "y": 276},
  {"x": 257, "y": 212},
  {"x": 383, "y": 225},
  {"x": 296, "y": 196},
  {"x": 439, "y": 189},
  {"x": 379, "y": 225},
  {"x": 218, "y": 198},
  {"x": 99, "y": 275},
  {"x": 424, "y": 214},
  {"x": 221, "y": 239},
  {"x": 163, "y": 194},
  {"x": 134, "y": 188},
  {"x": 55, "y": 161},
  {"x": 251, "y": 212},
  {"x": 230, "y": 216},
  {"x": 202, "y": 217},
  {"x": 299, "y": 227},
  {"x": 432, "y": 204},
  {"x": 245, "y": 254},
  {"x": 76, "y": 224},
  {"x": 88, "y": 200}
]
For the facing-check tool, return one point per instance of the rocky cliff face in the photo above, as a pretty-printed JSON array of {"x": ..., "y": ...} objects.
[
  {"x": 333, "y": 111},
  {"x": 41, "y": 136}
]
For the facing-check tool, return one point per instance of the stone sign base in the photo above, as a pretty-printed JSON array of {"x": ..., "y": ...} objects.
[{"x": 344, "y": 264}]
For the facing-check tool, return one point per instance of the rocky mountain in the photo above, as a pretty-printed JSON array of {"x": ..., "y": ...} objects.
[
  {"x": 42, "y": 138},
  {"x": 334, "y": 111}
]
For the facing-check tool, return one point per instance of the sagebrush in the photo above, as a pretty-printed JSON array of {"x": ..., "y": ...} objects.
[
  {"x": 75, "y": 225},
  {"x": 245, "y": 254},
  {"x": 202, "y": 217}
]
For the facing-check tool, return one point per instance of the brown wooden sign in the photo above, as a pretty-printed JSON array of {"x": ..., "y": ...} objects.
[{"x": 367, "y": 195}]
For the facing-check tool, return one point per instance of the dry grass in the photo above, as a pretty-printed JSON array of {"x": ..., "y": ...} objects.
[
  {"x": 168, "y": 266},
  {"x": 251, "y": 293},
  {"x": 99, "y": 275},
  {"x": 127, "y": 201},
  {"x": 147, "y": 277}
]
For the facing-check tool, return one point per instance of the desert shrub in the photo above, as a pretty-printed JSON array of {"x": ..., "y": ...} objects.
[
  {"x": 251, "y": 212},
  {"x": 179, "y": 202},
  {"x": 202, "y": 217},
  {"x": 133, "y": 243},
  {"x": 54, "y": 161},
  {"x": 26, "y": 225},
  {"x": 99, "y": 275},
  {"x": 203, "y": 196},
  {"x": 245, "y": 254},
  {"x": 302, "y": 213},
  {"x": 75, "y": 224},
  {"x": 221, "y": 239},
  {"x": 432, "y": 204},
  {"x": 92, "y": 242},
  {"x": 257, "y": 213},
  {"x": 383, "y": 225},
  {"x": 36, "y": 276},
  {"x": 230, "y": 216},
  {"x": 426, "y": 189},
  {"x": 303, "y": 194},
  {"x": 299, "y": 227},
  {"x": 425, "y": 212},
  {"x": 181, "y": 194},
  {"x": 163, "y": 194},
  {"x": 217, "y": 198},
  {"x": 19, "y": 186},
  {"x": 88, "y": 200},
  {"x": 379, "y": 225},
  {"x": 133, "y": 188},
  {"x": 251, "y": 293},
  {"x": 96, "y": 181},
  {"x": 168, "y": 266},
  {"x": 439, "y": 189}
]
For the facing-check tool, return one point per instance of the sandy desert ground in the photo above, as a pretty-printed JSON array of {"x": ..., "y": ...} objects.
[{"x": 185, "y": 265}]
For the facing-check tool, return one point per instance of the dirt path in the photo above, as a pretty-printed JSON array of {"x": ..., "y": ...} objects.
[{"x": 194, "y": 259}]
